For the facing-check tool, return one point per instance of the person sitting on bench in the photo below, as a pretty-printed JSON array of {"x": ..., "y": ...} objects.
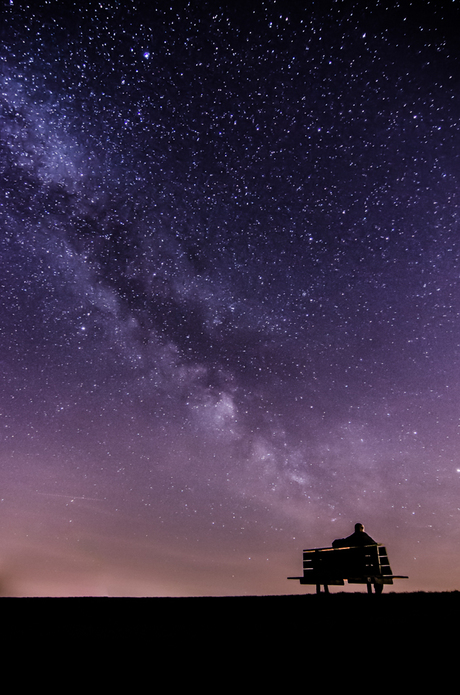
[{"x": 358, "y": 538}]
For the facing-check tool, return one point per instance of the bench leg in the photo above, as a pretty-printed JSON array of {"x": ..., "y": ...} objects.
[
  {"x": 318, "y": 589},
  {"x": 378, "y": 587}
]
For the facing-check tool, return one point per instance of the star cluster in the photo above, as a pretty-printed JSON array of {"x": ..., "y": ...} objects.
[{"x": 229, "y": 292}]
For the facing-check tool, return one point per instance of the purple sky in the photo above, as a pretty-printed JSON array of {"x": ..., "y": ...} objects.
[{"x": 229, "y": 293}]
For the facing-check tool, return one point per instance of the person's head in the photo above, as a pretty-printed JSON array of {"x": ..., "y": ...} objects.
[{"x": 359, "y": 528}]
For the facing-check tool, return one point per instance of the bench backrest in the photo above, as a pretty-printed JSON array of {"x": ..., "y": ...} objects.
[{"x": 345, "y": 563}]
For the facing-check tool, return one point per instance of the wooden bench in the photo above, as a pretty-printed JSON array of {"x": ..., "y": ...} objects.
[{"x": 367, "y": 564}]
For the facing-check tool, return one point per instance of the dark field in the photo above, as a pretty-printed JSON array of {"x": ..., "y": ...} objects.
[
  {"x": 392, "y": 639},
  {"x": 395, "y": 609}
]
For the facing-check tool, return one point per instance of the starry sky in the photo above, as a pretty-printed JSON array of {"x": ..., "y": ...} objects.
[{"x": 229, "y": 292}]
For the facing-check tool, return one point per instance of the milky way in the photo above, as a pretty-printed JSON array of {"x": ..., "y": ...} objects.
[{"x": 229, "y": 293}]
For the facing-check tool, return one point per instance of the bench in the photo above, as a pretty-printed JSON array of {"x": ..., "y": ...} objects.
[{"x": 367, "y": 564}]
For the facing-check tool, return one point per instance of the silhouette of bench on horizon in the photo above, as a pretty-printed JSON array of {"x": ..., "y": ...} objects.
[{"x": 366, "y": 564}]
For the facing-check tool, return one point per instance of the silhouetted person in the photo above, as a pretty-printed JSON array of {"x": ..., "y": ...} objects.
[{"x": 359, "y": 537}]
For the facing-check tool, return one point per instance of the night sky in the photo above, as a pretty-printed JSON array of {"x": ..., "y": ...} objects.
[{"x": 229, "y": 293}]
